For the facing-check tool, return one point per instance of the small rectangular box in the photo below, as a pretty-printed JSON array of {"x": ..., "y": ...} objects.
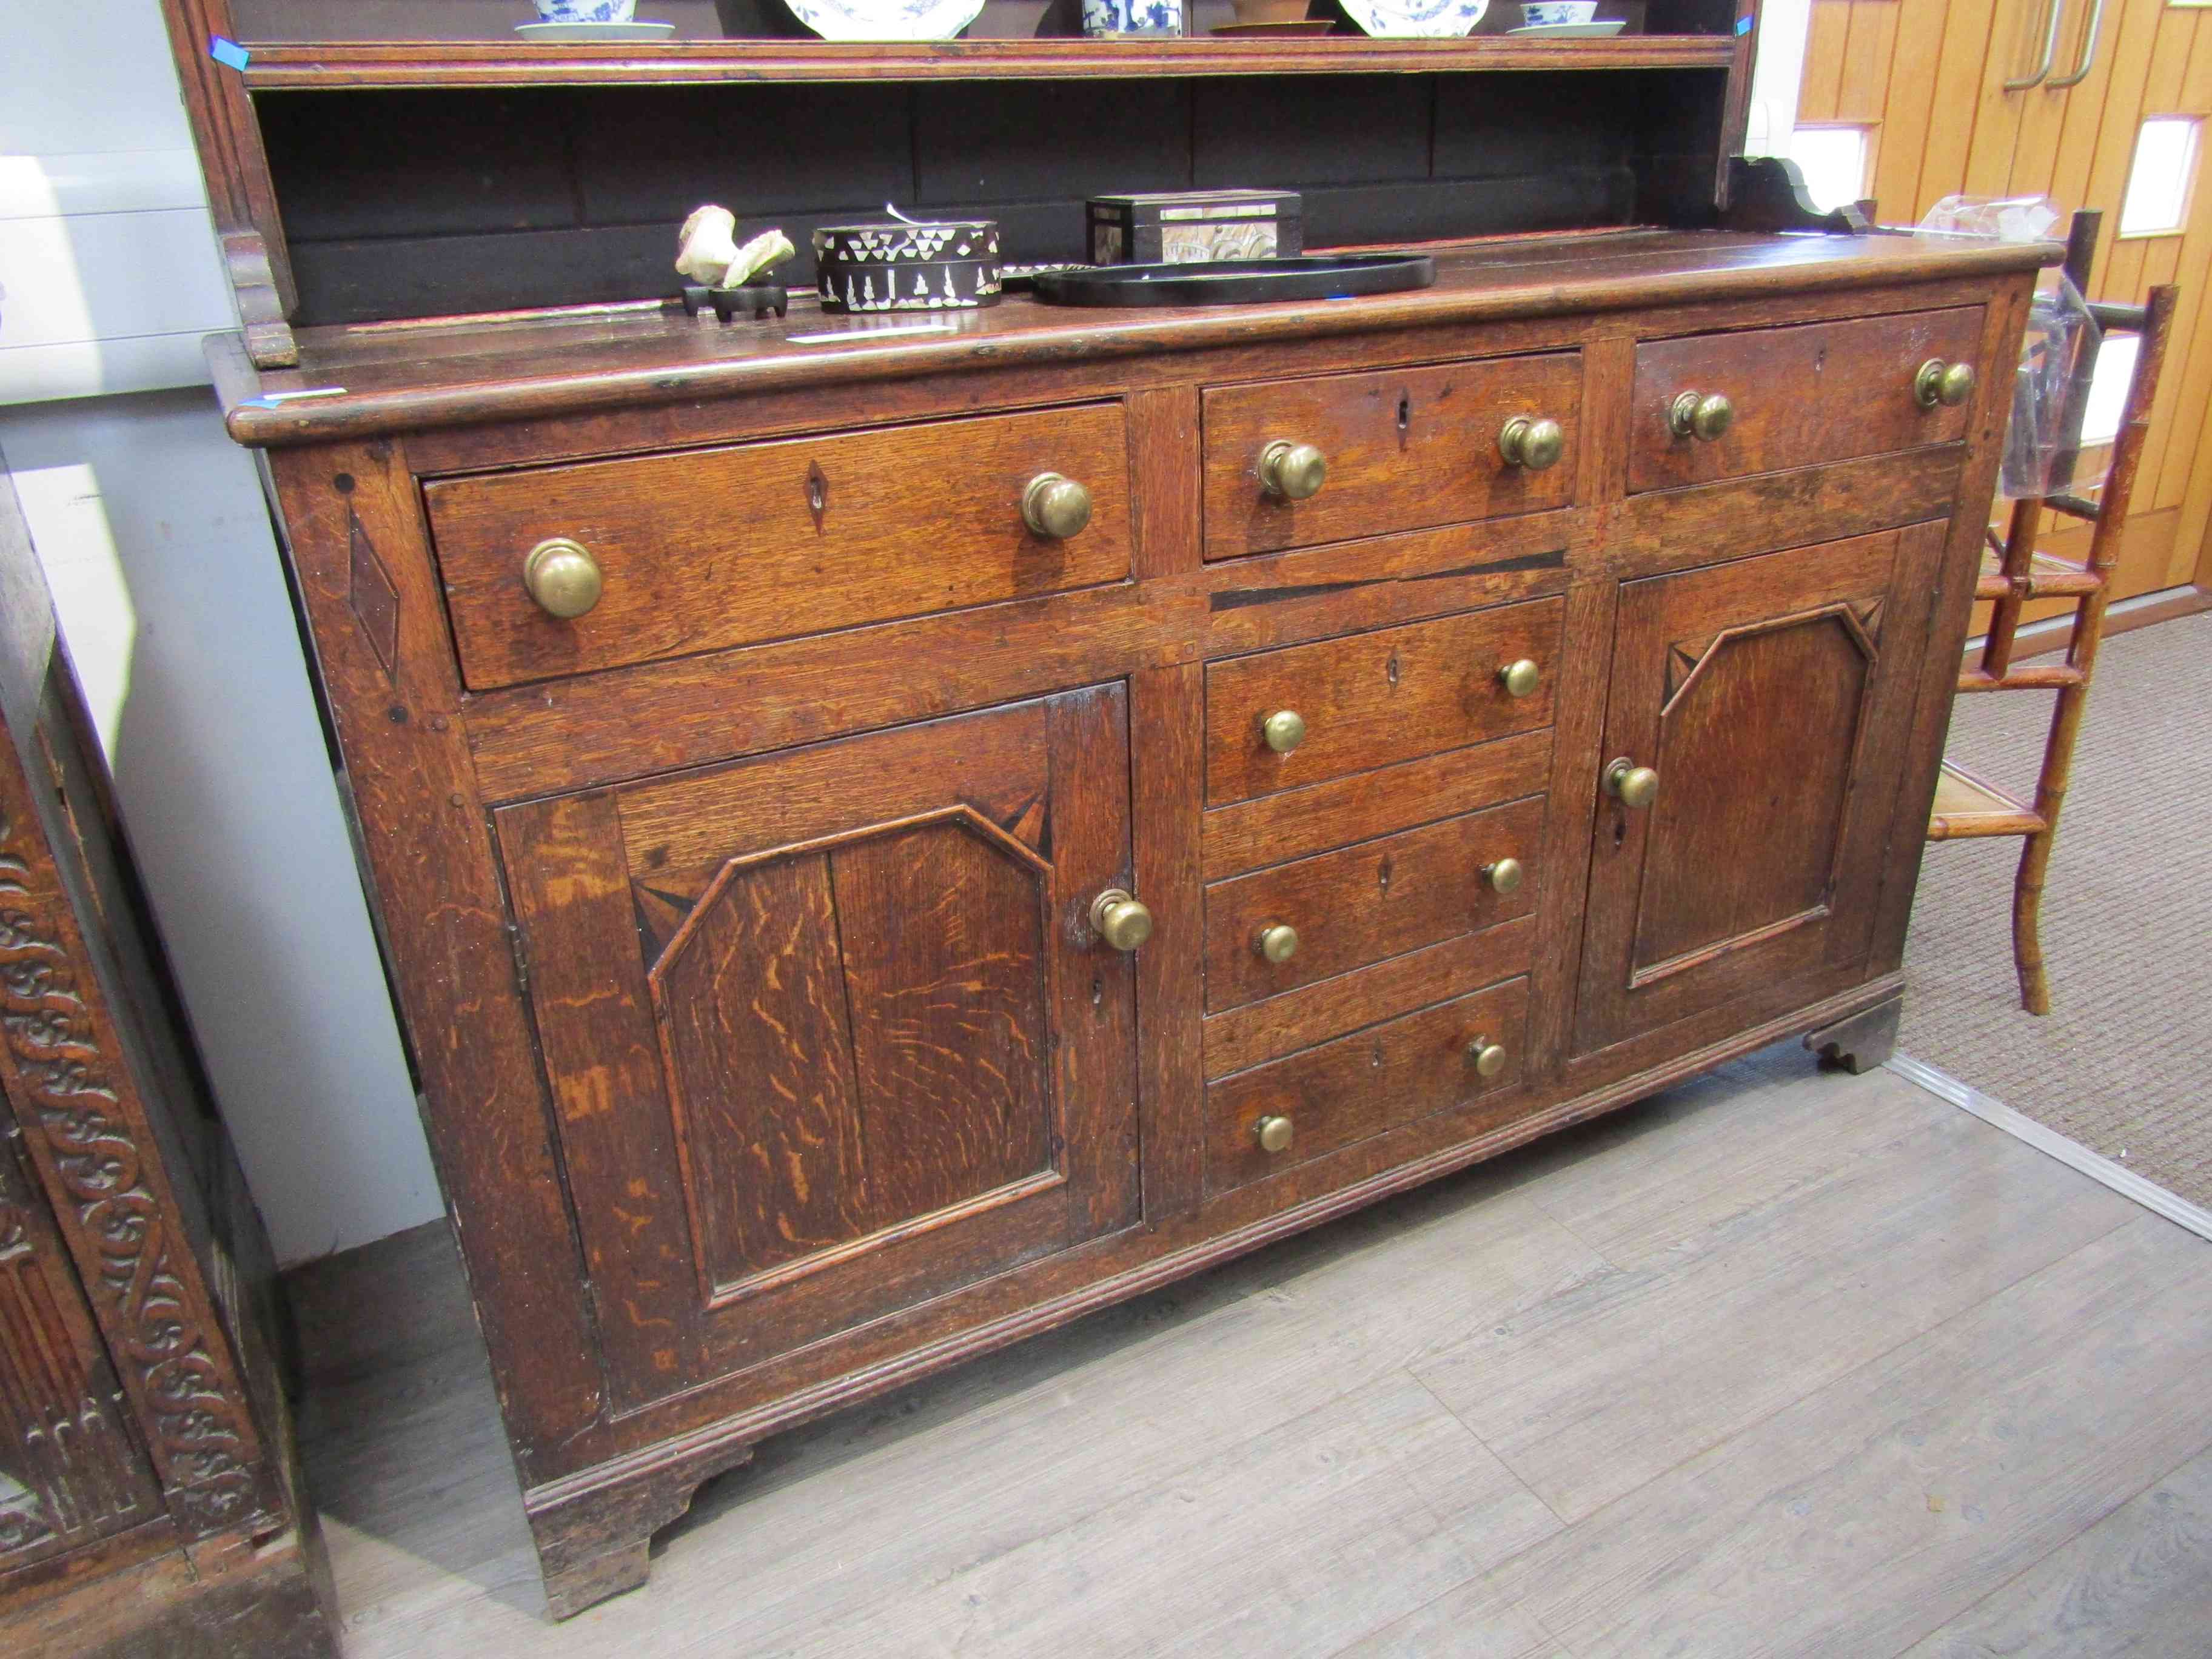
[{"x": 1182, "y": 227}]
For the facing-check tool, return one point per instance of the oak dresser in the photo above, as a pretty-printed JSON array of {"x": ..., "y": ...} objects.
[{"x": 888, "y": 840}]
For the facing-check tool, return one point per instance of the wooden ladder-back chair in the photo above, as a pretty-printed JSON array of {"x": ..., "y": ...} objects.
[{"x": 2014, "y": 573}]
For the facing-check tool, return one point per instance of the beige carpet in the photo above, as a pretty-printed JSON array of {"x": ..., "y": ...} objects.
[{"x": 2123, "y": 1062}]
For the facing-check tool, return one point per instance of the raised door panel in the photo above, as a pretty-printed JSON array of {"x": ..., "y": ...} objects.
[
  {"x": 1770, "y": 696},
  {"x": 71, "y": 1467},
  {"x": 827, "y": 1032}
]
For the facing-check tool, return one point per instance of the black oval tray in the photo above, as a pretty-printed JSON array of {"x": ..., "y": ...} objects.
[{"x": 1239, "y": 282}]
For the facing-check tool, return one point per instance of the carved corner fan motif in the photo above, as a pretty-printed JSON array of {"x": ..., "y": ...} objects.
[
  {"x": 203, "y": 1444},
  {"x": 854, "y": 1034}
]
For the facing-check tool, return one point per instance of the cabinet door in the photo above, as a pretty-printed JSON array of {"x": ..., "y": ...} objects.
[
  {"x": 828, "y": 1032},
  {"x": 1771, "y": 695}
]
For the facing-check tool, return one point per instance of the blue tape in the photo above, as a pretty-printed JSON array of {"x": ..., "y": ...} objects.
[
  {"x": 228, "y": 54},
  {"x": 1743, "y": 25}
]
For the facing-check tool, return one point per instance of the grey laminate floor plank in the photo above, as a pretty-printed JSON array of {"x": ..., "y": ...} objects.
[
  {"x": 1043, "y": 1434},
  {"x": 1288, "y": 1544},
  {"x": 1616, "y": 1380},
  {"x": 2139, "y": 1582},
  {"x": 1228, "y": 1461},
  {"x": 1874, "y": 1511}
]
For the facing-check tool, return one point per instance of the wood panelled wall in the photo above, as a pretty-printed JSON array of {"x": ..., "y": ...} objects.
[{"x": 1927, "y": 77}]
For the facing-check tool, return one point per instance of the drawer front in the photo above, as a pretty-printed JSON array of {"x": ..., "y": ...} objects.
[
  {"x": 1372, "y": 699},
  {"x": 1821, "y": 392},
  {"x": 1362, "y": 1085},
  {"x": 1405, "y": 449},
  {"x": 1363, "y": 903},
  {"x": 705, "y": 550}
]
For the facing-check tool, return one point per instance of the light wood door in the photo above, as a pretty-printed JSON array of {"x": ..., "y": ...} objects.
[
  {"x": 1926, "y": 79},
  {"x": 1772, "y": 697},
  {"x": 828, "y": 1032}
]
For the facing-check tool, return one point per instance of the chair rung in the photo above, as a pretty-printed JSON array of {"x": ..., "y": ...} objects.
[
  {"x": 1966, "y": 806},
  {"x": 2073, "y": 506},
  {"x": 2020, "y": 679},
  {"x": 2053, "y": 585}
]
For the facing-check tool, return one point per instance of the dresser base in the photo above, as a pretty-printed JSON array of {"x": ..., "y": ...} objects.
[{"x": 593, "y": 1528}]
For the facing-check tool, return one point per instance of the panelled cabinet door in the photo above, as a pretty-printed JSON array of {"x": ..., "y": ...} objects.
[
  {"x": 1770, "y": 696},
  {"x": 72, "y": 1467},
  {"x": 828, "y": 1032}
]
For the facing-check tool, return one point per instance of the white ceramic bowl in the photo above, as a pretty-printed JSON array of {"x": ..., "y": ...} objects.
[{"x": 1543, "y": 13}]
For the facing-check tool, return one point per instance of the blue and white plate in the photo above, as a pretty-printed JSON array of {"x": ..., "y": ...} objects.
[
  {"x": 1438, "y": 20},
  {"x": 886, "y": 20}
]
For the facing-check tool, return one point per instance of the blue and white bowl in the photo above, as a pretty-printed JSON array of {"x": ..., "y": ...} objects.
[
  {"x": 1131, "y": 16},
  {"x": 586, "y": 11},
  {"x": 1434, "y": 20},
  {"x": 1550, "y": 14}
]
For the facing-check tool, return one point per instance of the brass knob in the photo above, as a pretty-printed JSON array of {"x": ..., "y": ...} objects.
[
  {"x": 1504, "y": 876},
  {"x": 1284, "y": 730},
  {"x": 1273, "y": 1133},
  {"x": 1520, "y": 678},
  {"x": 1277, "y": 941},
  {"x": 1703, "y": 415},
  {"x": 1939, "y": 382},
  {"x": 1293, "y": 472},
  {"x": 1488, "y": 1057},
  {"x": 1120, "y": 919},
  {"x": 1631, "y": 784},
  {"x": 1533, "y": 444},
  {"x": 1056, "y": 507},
  {"x": 563, "y": 577}
]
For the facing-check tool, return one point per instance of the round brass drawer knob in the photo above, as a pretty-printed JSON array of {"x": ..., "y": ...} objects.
[
  {"x": 1532, "y": 445},
  {"x": 1520, "y": 678},
  {"x": 1504, "y": 876},
  {"x": 1489, "y": 1057},
  {"x": 1701, "y": 415},
  {"x": 1293, "y": 472},
  {"x": 1939, "y": 382},
  {"x": 1056, "y": 507},
  {"x": 1630, "y": 784},
  {"x": 563, "y": 577},
  {"x": 1122, "y": 920},
  {"x": 1284, "y": 730},
  {"x": 1277, "y": 941},
  {"x": 1273, "y": 1133}
]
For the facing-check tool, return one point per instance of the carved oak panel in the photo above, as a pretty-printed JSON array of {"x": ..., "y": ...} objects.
[{"x": 827, "y": 1032}]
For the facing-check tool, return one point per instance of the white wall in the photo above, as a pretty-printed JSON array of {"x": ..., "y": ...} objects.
[{"x": 167, "y": 582}]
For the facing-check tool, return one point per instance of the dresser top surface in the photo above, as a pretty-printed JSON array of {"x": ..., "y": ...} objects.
[{"x": 359, "y": 380}]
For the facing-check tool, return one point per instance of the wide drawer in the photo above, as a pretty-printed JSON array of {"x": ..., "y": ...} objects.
[
  {"x": 722, "y": 547},
  {"x": 1371, "y": 700},
  {"x": 1405, "y": 449},
  {"x": 1362, "y": 1085},
  {"x": 1819, "y": 392},
  {"x": 1330, "y": 914}
]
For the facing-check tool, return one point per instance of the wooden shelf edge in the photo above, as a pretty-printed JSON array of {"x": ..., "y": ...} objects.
[{"x": 294, "y": 65}]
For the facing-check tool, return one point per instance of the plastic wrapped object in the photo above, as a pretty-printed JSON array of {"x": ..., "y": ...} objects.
[{"x": 2057, "y": 354}]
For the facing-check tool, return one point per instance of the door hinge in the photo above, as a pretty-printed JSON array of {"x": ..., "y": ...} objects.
[{"x": 519, "y": 946}]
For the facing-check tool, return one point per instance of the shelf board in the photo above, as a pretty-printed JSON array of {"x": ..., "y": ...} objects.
[{"x": 289, "y": 65}]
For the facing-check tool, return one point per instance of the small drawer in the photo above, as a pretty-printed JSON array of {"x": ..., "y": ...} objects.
[
  {"x": 1401, "y": 450},
  {"x": 1278, "y": 720},
  {"x": 1277, "y": 929},
  {"x": 1313, "y": 1102},
  {"x": 1821, "y": 392},
  {"x": 704, "y": 549}
]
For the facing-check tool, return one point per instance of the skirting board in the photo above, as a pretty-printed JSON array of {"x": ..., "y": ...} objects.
[{"x": 2072, "y": 1153}]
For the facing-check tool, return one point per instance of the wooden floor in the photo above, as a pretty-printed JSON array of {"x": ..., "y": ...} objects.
[{"x": 1779, "y": 1364}]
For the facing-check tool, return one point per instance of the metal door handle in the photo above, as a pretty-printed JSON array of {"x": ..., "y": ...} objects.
[
  {"x": 2088, "y": 51},
  {"x": 2050, "y": 51}
]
